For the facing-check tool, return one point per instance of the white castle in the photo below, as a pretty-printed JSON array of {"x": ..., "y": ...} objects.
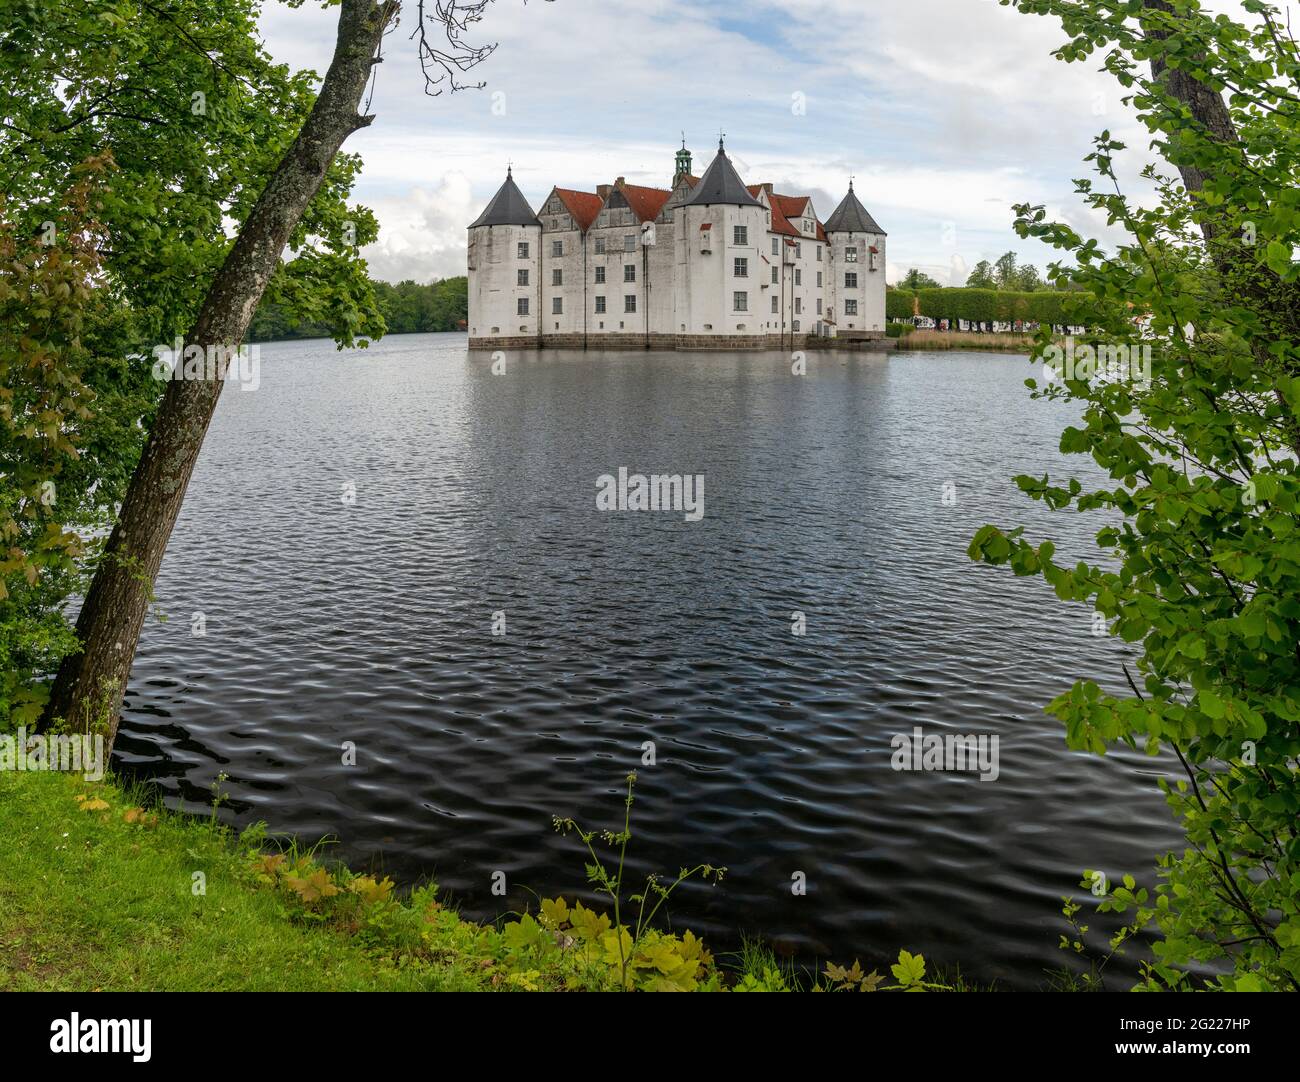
[{"x": 709, "y": 263}]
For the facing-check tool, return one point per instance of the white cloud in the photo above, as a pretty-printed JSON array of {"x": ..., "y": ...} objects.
[
  {"x": 422, "y": 233},
  {"x": 947, "y": 111}
]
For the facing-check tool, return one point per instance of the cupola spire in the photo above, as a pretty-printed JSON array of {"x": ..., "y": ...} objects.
[{"x": 683, "y": 164}]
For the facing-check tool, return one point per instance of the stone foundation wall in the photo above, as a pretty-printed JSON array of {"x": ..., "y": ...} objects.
[
  {"x": 688, "y": 342},
  {"x": 517, "y": 341}
]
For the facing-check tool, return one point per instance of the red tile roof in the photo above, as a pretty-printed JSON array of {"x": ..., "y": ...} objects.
[
  {"x": 584, "y": 206},
  {"x": 780, "y": 224},
  {"x": 796, "y": 206},
  {"x": 646, "y": 203},
  {"x": 792, "y": 206}
]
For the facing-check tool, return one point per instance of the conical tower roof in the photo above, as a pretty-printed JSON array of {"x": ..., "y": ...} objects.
[
  {"x": 852, "y": 217},
  {"x": 508, "y": 207},
  {"x": 721, "y": 184}
]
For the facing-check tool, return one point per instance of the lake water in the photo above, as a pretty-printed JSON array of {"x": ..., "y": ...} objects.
[{"x": 475, "y": 493}]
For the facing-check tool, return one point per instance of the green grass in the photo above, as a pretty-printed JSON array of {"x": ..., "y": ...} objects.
[
  {"x": 89, "y": 901},
  {"x": 97, "y": 893}
]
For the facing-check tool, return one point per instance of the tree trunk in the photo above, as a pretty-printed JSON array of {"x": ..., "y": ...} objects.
[
  {"x": 1277, "y": 303},
  {"x": 1205, "y": 102},
  {"x": 88, "y": 689}
]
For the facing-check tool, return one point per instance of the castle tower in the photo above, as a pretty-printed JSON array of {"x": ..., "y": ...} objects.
[
  {"x": 719, "y": 250},
  {"x": 505, "y": 251},
  {"x": 857, "y": 255},
  {"x": 683, "y": 163}
]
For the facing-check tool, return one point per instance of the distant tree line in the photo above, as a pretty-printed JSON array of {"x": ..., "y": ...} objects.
[
  {"x": 1004, "y": 274},
  {"x": 407, "y": 308}
]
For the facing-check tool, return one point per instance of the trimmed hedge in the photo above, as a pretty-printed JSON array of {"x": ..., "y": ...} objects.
[
  {"x": 996, "y": 306},
  {"x": 900, "y": 303}
]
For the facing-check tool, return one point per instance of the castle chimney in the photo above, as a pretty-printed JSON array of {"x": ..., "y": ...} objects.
[
  {"x": 603, "y": 190},
  {"x": 620, "y": 182}
]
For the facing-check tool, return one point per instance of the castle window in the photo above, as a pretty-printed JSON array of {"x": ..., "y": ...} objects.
[
  {"x": 795, "y": 325},
  {"x": 741, "y": 268},
  {"x": 740, "y": 302},
  {"x": 629, "y": 242},
  {"x": 850, "y": 255},
  {"x": 776, "y": 301},
  {"x": 774, "y": 276},
  {"x": 851, "y": 280},
  {"x": 600, "y": 276},
  {"x": 850, "y": 308},
  {"x": 523, "y": 249},
  {"x": 557, "y": 306},
  {"x": 629, "y": 302},
  {"x": 819, "y": 306},
  {"x": 740, "y": 234},
  {"x": 798, "y": 276},
  {"x": 819, "y": 256},
  {"x": 798, "y": 250},
  {"x": 521, "y": 306},
  {"x": 798, "y": 307},
  {"x": 600, "y": 245},
  {"x": 557, "y": 277},
  {"x": 521, "y": 276},
  {"x": 776, "y": 245},
  {"x": 600, "y": 306},
  {"x": 629, "y": 272},
  {"x": 557, "y": 247}
]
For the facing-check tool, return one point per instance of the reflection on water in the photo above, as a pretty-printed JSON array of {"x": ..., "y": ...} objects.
[{"x": 475, "y": 494}]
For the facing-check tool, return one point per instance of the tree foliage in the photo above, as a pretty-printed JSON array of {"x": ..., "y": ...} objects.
[
  {"x": 71, "y": 409},
  {"x": 406, "y": 308},
  {"x": 915, "y": 279},
  {"x": 179, "y": 115},
  {"x": 1199, "y": 566}
]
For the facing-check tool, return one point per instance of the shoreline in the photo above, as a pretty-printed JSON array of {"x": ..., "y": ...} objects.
[{"x": 101, "y": 888}]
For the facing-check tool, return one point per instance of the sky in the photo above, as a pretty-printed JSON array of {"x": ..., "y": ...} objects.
[{"x": 945, "y": 112}]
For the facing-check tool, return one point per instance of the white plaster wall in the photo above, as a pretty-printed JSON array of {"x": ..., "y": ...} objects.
[{"x": 493, "y": 290}]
